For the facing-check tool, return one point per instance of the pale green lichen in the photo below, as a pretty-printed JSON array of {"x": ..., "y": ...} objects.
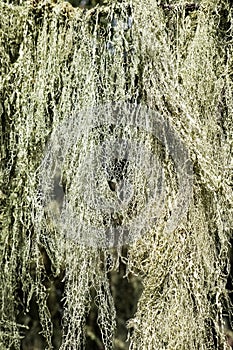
[{"x": 173, "y": 57}]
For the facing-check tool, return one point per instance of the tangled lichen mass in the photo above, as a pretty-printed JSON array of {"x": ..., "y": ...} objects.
[{"x": 64, "y": 171}]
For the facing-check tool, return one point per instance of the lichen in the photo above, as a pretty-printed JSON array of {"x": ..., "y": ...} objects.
[{"x": 173, "y": 58}]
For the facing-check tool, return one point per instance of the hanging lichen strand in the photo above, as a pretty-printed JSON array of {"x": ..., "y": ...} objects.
[{"x": 149, "y": 78}]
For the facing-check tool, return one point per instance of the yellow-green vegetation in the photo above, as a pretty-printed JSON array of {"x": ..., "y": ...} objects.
[{"x": 168, "y": 289}]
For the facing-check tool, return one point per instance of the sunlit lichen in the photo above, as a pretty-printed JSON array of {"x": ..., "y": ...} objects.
[{"x": 173, "y": 57}]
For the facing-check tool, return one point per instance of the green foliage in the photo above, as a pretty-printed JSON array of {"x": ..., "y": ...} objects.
[{"x": 56, "y": 60}]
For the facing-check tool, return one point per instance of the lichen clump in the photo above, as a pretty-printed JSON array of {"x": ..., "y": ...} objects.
[{"x": 173, "y": 58}]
